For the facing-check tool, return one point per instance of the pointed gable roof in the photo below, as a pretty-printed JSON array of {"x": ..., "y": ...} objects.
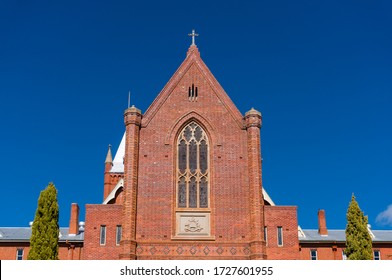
[{"x": 192, "y": 58}]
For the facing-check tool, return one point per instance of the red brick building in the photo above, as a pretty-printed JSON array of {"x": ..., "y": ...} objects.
[
  {"x": 186, "y": 183},
  {"x": 15, "y": 241}
]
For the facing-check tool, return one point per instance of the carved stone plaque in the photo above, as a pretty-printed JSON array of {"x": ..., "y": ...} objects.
[{"x": 192, "y": 225}]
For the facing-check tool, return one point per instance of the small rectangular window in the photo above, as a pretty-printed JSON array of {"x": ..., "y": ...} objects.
[
  {"x": 118, "y": 234},
  {"x": 19, "y": 254},
  {"x": 280, "y": 236},
  {"x": 265, "y": 235},
  {"x": 313, "y": 255},
  {"x": 376, "y": 255},
  {"x": 102, "y": 238}
]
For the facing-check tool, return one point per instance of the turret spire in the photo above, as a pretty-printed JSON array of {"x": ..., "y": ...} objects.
[{"x": 109, "y": 158}]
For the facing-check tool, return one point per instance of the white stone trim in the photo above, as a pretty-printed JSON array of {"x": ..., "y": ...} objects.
[{"x": 112, "y": 194}]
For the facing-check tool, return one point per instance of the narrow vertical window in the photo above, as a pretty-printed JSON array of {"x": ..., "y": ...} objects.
[
  {"x": 280, "y": 236},
  {"x": 265, "y": 234},
  {"x": 313, "y": 254},
  {"x": 193, "y": 193},
  {"x": 193, "y": 156},
  {"x": 19, "y": 254},
  {"x": 203, "y": 193},
  {"x": 192, "y": 93},
  {"x": 182, "y": 156},
  {"x": 344, "y": 256},
  {"x": 203, "y": 156},
  {"x": 182, "y": 193},
  {"x": 118, "y": 234},
  {"x": 102, "y": 235},
  {"x": 376, "y": 255},
  {"x": 192, "y": 167}
]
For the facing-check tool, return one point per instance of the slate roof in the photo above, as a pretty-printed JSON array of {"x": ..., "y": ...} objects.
[
  {"x": 22, "y": 234},
  {"x": 382, "y": 235},
  {"x": 339, "y": 235}
]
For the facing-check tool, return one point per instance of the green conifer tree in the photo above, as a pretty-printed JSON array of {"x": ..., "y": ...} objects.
[
  {"x": 45, "y": 231},
  {"x": 358, "y": 239}
]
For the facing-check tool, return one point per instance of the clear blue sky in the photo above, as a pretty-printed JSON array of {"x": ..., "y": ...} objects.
[{"x": 319, "y": 71}]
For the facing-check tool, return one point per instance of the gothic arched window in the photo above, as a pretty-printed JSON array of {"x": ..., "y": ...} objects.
[{"x": 192, "y": 168}]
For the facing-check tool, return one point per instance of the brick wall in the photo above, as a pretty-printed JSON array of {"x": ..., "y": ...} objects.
[
  {"x": 66, "y": 251},
  {"x": 334, "y": 250},
  {"x": 326, "y": 251},
  {"x": 97, "y": 215},
  {"x": 285, "y": 217}
]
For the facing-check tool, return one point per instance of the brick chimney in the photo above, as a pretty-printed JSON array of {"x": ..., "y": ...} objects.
[
  {"x": 322, "y": 223},
  {"x": 74, "y": 220}
]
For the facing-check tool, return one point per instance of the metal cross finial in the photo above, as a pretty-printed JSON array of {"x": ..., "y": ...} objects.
[{"x": 193, "y": 35}]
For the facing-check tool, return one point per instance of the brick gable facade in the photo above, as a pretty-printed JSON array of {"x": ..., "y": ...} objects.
[{"x": 154, "y": 225}]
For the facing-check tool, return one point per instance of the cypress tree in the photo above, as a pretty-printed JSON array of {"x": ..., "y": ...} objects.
[
  {"x": 45, "y": 231},
  {"x": 358, "y": 239}
]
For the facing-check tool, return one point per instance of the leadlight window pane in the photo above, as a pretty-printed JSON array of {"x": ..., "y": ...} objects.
[
  {"x": 193, "y": 156},
  {"x": 182, "y": 156},
  {"x": 182, "y": 193},
  {"x": 193, "y": 163},
  {"x": 188, "y": 133},
  {"x": 198, "y": 133},
  {"x": 192, "y": 193},
  {"x": 203, "y": 157},
  {"x": 203, "y": 193}
]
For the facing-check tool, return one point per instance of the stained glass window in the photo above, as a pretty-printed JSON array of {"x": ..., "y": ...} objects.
[
  {"x": 193, "y": 173},
  {"x": 182, "y": 193},
  {"x": 198, "y": 133},
  {"x": 203, "y": 193},
  {"x": 193, "y": 156},
  {"x": 203, "y": 156},
  {"x": 192, "y": 193},
  {"x": 182, "y": 156}
]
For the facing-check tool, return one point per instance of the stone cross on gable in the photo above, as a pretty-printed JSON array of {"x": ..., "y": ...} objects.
[{"x": 193, "y": 35}]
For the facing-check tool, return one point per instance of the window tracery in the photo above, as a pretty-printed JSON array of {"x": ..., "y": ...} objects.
[{"x": 192, "y": 168}]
